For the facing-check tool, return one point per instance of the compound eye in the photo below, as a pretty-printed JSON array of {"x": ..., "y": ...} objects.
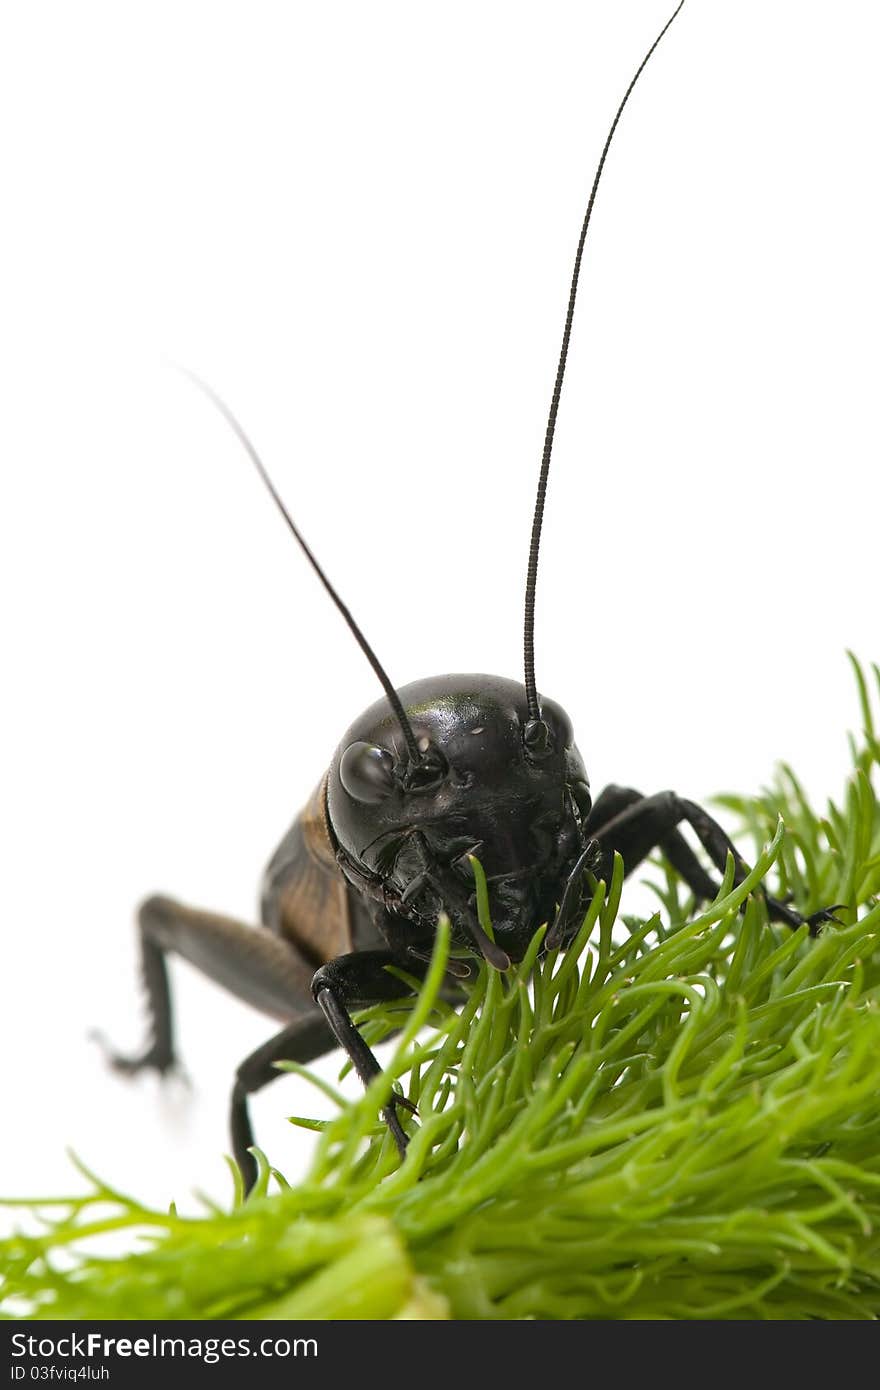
[{"x": 367, "y": 772}]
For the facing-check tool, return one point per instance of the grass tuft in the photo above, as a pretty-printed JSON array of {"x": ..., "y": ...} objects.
[{"x": 677, "y": 1118}]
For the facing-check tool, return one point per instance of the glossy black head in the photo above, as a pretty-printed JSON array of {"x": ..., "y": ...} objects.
[
  {"x": 464, "y": 763},
  {"x": 490, "y": 780}
]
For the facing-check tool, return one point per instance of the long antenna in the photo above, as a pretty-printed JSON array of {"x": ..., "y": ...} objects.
[
  {"x": 238, "y": 431},
  {"x": 532, "y": 576}
]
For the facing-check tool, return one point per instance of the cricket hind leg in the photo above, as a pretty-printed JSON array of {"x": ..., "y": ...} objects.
[
  {"x": 255, "y": 965},
  {"x": 634, "y": 825}
]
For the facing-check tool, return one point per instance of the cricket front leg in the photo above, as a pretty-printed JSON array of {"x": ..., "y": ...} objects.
[
  {"x": 648, "y": 823},
  {"x": 353, "y": 982},
  {"x": 301, "y": 1041}
]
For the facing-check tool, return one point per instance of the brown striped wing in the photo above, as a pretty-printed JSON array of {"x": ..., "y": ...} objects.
[{"x": 305, "y": 897}]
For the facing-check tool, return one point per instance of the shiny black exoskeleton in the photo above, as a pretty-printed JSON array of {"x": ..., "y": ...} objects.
[
  {"x": 431, "y": 776},
  {"x": 404, "y": 833},
  {"x": 393, "y": 835}
]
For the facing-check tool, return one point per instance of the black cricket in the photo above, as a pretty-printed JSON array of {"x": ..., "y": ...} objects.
[{"x": 440, "y": 770}]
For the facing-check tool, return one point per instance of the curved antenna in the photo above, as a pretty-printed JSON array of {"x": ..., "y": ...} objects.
[
  {"x": 532, "y": 575},
  {"x": 238, "y": 431}
]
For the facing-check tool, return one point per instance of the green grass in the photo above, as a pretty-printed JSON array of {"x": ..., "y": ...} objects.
[{"x": 677, "y": 1118}]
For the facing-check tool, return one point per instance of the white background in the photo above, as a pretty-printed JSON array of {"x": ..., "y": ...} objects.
[{"x": 357, "y": 222}]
